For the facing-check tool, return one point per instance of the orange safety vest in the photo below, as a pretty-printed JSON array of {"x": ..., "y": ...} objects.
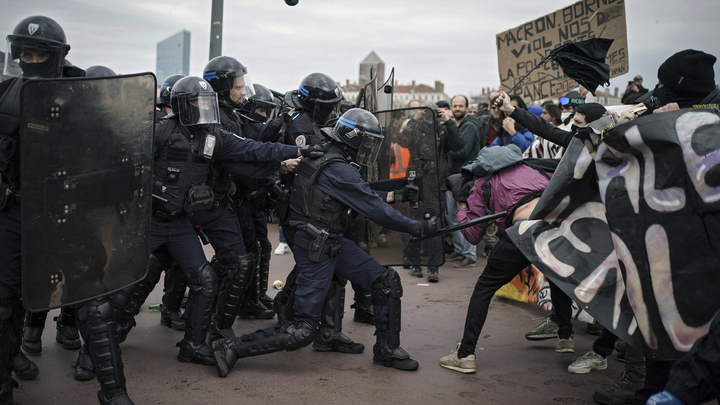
[{"x": 402, "y": 160}]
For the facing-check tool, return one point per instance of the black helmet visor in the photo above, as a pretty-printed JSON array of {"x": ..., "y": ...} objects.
[
  {"x": 369, "y": 148},
  {"x": 31, "y": 58},
  {"x": 198, "y": 108}
]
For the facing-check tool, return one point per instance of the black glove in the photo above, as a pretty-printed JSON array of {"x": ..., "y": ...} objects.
[
  {"x": 430, "y": 226},
  {"x": 409, "y": 193},
  {"x": 73, "y": 71},
  {"x": 312, "y": 151}
]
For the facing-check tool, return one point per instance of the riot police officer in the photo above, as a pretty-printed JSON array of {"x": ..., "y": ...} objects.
[
  {"x": 230, "y": 80},
  {"x": 328, "y": 193},
  {"x": 318, "y": 101},
  {"x": 187, "y": 144},
  {"x": 217, "y": 225},
  {"x": 38, "y": 48},
  {"x": 251, "y": 199},
  {"x": 163, "y": 100}
]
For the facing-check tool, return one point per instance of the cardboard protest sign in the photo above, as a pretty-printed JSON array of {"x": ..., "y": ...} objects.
[{"x": 521, "y": 48}]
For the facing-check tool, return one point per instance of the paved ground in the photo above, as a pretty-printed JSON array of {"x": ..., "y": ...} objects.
[{"x": 511, "y": 370}]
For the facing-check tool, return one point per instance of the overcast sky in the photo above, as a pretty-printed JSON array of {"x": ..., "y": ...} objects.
[{"x": 424, "y": 40}]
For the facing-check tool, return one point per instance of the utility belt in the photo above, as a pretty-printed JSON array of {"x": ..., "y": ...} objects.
[
  {"x": 167, "y": 216},
  {"x": 317, "y": 247},
  {"x": 8, "y": 196}
]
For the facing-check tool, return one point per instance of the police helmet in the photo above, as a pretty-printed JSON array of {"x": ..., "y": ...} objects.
[
  {"x": 359, "y": 133},
  {"x": 320, "y": 97},
  {"x": 38, "y": 47},
  {"x": 263, "y": 98},
  {"x": 99, "y": 71},
  {"x": 221, "y": 73},
  {"x": 163, "y": 99},
  {"x": 194, "y": 102}
]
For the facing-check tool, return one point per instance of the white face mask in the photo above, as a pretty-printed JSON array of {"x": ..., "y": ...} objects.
[{"x": 565, "y": 115}]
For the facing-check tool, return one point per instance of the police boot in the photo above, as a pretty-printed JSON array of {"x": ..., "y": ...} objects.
[
  {"x": 330, "y": 337},
  {"x": 229, "y": 350},
  {"x": 283, "y": 302},
  {"x": 67, "y": 331},
  {"x": 265, "y": 253},
  {"x": 203, "y": 291},
  {"x": 6, "y": 389},
  {"x": 121, "y": 398},
  {"x": 98, "y": 316},
  {"x": 33, "y": 330},
  {"x": 175, "y": 286},
  {"x": 11, "y": 320},
  {"x": 251, "y": 307},
  {"x": 84, "y": 369},
  {"x": 24, "y": 368},
  {"x": 387, "y": 290},
  {"x": 128, "y": 301},
  {"x": 363, "y": 305},
  {"x": 237, "y": 276}
]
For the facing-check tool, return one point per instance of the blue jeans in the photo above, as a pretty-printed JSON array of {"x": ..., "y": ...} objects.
[{"x": 460, "y": 244}]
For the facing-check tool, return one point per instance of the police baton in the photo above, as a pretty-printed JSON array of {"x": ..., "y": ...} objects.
[{"x": 453, "y": 228}]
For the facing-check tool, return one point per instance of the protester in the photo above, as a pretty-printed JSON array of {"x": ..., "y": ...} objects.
[
  {"x": 515, "y": 188},
  {"x": 634, "y": 90},
  {"x": 470, "y": 128},
  {"x": 512, "y": 132}
]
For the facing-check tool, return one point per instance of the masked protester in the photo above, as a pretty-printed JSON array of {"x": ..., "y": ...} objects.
[{"x": 687, "y": 79}]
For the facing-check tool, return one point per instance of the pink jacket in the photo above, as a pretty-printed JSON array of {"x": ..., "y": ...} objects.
[{"x": 508, "y": 187}]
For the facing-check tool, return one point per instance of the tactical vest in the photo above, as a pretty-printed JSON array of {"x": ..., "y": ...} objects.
[
  {"x": 311, "y": 205},
  {"x": 180, "y": 171},
  {"x": 231, "y": 122},
  {"x": 221, "y": 181},
  {"x": 9, "y": 137}
]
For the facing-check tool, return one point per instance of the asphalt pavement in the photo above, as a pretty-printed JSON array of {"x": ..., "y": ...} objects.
[{"x": 510, "y": 369}]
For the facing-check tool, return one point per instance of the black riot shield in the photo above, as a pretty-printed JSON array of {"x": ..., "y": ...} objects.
[
  {"x": 86, "y": 160},
  {"x": 409, "y": 156}
]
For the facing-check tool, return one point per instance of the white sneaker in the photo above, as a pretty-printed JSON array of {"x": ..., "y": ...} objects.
[
  {"x": 590, "y": 361},
  {"x": 466, "y": 365},
  {"x": 282, "y": 249}
]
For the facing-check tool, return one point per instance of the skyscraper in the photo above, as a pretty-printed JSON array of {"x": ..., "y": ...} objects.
[{"x": 173, "y": 56}]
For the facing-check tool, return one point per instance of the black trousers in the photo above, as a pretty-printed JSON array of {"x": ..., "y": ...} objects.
[{"x": 504, "y": 263}]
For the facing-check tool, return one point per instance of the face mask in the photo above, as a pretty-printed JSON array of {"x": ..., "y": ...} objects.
[
  {"x": 565, "y": 115},
  {"x": 47, "y": 69},
  {"x": 666, "y": 96}
]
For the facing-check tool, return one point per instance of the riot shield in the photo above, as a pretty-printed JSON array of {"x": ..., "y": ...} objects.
[
  {"x": 409, "y": 156},
  {"x": 385, "y": 95},
  {"x": 86, "y": 176}
]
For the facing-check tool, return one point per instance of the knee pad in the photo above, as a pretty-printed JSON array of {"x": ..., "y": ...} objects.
[
  {"x": 389, "y": 283},
  {"x": 156, "y": 265},
  {"x": 298, "y": 336},
  {"x": 97, "y": 310},
  {"x": 205, "y": 280}
]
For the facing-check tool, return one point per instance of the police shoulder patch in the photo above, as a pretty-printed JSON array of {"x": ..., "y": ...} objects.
[{"x": 300, "y": 140}]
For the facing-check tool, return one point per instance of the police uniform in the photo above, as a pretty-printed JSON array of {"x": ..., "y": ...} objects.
[
  {"x": 301, "y": 131},
  {"x": 97, "y": 314},
  {"x": 172, "y": 227},
  {"x": 328, "y": 193}
]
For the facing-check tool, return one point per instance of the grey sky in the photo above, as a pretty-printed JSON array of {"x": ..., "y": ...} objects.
[{"x": 424, "y": 40}]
